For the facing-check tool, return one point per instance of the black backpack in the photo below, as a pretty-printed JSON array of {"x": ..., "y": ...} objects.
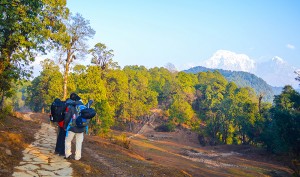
[
  {"x": 58, "y": 108},
  {"x": 88, "y": 113}
]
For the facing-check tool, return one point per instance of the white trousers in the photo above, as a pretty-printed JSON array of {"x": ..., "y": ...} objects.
[{"x": 68, "y": 143}]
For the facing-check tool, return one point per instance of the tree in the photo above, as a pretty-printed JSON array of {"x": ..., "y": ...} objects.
[
  {"x": 117, "y": 91},
  {"x": 163, "y": 82},
  {"x": 104, "y": 119},
  {"x": 25, "y": 26},
  {"x": 79, "y": 31},
  {"x": 46, "y": 87},
  {"x": 140, "y": 97},
  {"x": 285, "y": 122},
  {"x": 102, "y": 57},
  {"x": 181, "y": 111}
]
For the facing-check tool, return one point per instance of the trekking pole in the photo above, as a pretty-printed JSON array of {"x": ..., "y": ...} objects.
[{"x": 90, "y": 102}]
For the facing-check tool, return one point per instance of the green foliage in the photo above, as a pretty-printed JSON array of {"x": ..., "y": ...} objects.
[
  {"x": 117, "y": 91},
  {"x": 25, "y": 27},
  {"x": 45, "y": 88},
  {"x": 140, "y": 97},
  {"x": 284, "y": 126},
  {"x": 162, "y": 81},
  {"x": 242, "y": 79},
  {"x": 181, "y": 111},
  {"x": 166, "y": 127},
  {"x": 104, "y": 120},
  {"x": 7, "y": 110}
]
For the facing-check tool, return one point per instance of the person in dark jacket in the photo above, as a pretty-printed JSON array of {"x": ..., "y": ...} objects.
[
  {"x": 73, "y": 130},
  {"x": 60, "y": 142}
]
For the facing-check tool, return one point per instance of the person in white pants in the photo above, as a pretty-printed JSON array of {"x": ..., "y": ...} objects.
[
  {"x": 68, "y": 142},
  {"x": 72, "y": 131}
]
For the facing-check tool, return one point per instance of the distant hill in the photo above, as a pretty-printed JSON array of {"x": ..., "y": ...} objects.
[
  {"x": 278, "y": 90},
  {"x": 242, "y": 79}
]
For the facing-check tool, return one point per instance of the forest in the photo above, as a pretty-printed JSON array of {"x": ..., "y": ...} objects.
[{"x": 205, "y": 102}]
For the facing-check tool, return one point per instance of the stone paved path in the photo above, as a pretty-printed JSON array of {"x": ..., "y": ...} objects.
[{"x": 39, "y": 158}]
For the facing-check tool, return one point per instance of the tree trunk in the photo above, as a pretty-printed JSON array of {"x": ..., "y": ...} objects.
[
  {"x": 66, "y": 73},
  {"x": 2, "y": 101},
  {"x": 130, "y": 126},
  {"x": 259, "y": 104}
]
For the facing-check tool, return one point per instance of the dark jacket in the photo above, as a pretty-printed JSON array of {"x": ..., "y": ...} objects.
[{"x": 70, "y": 111}]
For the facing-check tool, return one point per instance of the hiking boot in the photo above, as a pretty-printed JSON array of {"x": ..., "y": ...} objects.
[{"x": 67, "y": 158}]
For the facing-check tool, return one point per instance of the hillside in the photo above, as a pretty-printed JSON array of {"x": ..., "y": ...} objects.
[
  {"x": 150, "y": 154},
  {"x": 242, "y": 79}
]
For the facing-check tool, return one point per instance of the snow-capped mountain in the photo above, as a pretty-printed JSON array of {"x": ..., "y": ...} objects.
[
  {"x": 275, "y": 72},
  {"x": 228, "y": 60}
]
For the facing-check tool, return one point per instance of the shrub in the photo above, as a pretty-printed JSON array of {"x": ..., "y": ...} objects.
[
  {"x": 166, "y": 127},
  {"x": 7, "y": 110},
  {"x": 120, "y": 140}
]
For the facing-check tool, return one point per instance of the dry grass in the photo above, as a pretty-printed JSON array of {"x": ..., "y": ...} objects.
[{"x": 15, "y": 135}]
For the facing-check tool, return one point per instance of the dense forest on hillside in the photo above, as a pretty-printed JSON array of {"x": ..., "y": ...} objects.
[
  {"x": 244, "y": 79},
  {"x": 221, "y": 111}
]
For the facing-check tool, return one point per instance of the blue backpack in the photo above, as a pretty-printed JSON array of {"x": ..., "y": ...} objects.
[
  {"x": 82, "y": 117},
  {"x": 80, "y": 121}
]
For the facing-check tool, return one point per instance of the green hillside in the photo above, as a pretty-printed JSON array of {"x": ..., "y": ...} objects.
[{"x": 242, "y": 79}]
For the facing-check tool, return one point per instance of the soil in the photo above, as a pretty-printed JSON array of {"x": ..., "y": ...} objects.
[{"x": 150, "y": 153}]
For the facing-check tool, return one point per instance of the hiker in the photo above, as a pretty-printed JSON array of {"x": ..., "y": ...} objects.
[
  {"x": 57, "y": 116},
  {"x": 60, "y": 142},
  {"x": 73, "y": 130}
]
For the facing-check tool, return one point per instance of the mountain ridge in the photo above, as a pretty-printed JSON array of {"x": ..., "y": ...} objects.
[{"x": 242, "y": 79}]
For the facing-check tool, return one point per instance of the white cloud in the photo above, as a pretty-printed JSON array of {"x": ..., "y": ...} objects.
[{"x": 290, "y": 46}]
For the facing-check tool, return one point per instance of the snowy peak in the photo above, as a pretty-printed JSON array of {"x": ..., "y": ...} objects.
[
  {"x": 278, "y": 60},
  {"x": 224, "y": 59},
  {"x": 276, "y": 71}
]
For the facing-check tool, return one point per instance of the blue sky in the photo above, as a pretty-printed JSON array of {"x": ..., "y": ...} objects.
[{"x": 186, "y": 32}]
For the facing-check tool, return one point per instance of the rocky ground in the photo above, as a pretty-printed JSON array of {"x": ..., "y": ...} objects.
[{"x": 27, "y": 144}]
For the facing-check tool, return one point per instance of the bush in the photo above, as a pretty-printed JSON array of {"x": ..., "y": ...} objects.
[
  {"x": 120, "y": 140},
  {"x": 7, "y": 110},
  {"x": 166, "y": 127}
]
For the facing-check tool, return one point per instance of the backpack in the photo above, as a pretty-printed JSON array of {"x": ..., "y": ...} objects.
[
  {"x": 57, "y": 110},
  {"x": 88, "y": 113},
  {"x": 83, "y": 116}
]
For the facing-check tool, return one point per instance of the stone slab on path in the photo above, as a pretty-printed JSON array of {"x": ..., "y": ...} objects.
[{"x": 39, "y": 158}]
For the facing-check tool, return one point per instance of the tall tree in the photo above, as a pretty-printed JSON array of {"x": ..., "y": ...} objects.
[
  {"x": 102, "y": 56},
  {"x": 79, "y": 31},
  {"x": 25, "y": 26},
  {"x": 117, "y": 91}
]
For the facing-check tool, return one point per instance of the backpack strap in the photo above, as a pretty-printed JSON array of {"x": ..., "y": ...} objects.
[{"x": 70, "y": 122}]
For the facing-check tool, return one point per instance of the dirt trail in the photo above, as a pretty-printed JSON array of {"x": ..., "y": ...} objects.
[
  {"x": 38, "y": 157},
  {"x": 114, "y": 170},
  {"x": 146, "y": 126}
]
